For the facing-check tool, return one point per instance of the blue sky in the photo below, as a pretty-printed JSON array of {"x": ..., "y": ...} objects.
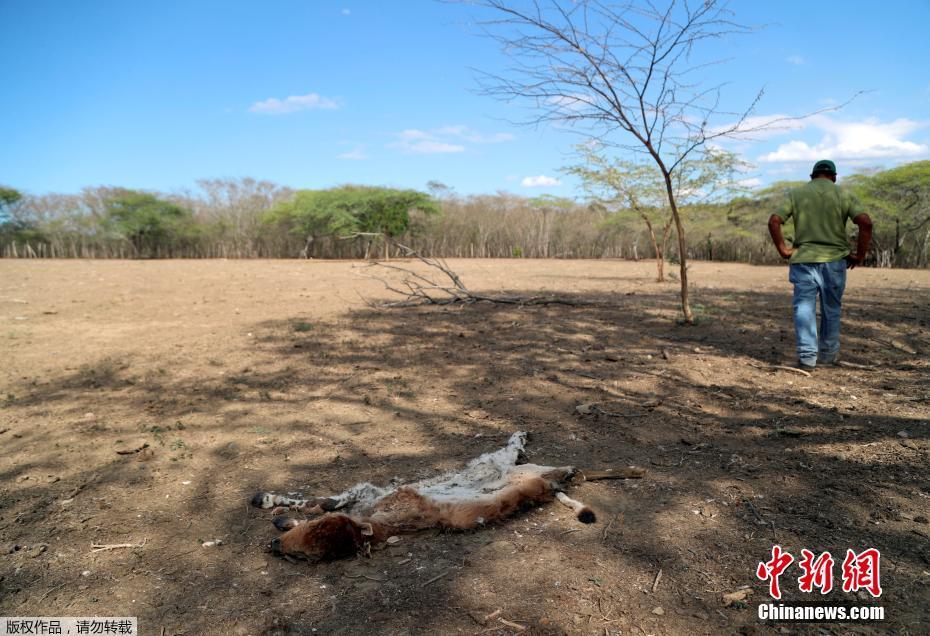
[{"x": 317, "y": 93}]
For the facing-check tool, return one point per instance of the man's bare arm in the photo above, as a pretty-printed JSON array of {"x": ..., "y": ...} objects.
[
  {"x": 778, "y": 238},
  {"x": 865, "y": 239}
]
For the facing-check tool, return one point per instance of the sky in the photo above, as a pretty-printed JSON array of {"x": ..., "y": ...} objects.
[{"x": 318, "y": 93}]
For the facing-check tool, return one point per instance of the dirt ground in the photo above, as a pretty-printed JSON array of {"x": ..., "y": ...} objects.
[{"x": 275, "y": 375}]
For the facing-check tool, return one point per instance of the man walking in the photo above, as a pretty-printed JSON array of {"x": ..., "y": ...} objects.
[{"x": 819, "y": 258}]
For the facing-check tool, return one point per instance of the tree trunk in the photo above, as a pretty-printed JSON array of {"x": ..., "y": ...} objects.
[
  {"x": 682, "y": 247},
  {"x": 666, "y": 231},
  {"x": 660, "y": 256},
  {"x": 305, "y": 252}
]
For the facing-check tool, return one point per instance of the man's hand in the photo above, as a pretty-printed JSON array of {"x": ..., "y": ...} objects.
[
  {"x": 863, "y": 242},
  {"x": 853, "y": 259},
  {"x": 775, "y": 223}
]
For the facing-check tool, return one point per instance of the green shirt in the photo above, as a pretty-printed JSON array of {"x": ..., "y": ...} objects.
[{"x": 820, "y": 210}]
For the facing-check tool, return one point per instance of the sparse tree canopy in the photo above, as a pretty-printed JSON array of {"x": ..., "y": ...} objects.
[
  {"x": 637, "y": 189},
  {"x": 627, "y": 75}
]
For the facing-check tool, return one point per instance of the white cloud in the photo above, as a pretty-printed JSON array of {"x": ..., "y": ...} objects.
[
  {"x": 292, "y": 104},
  {"x": 751, "y": 182},
  {"x": 420, "y": 142},
  {"x": 430, "y": 147},
  {"x": 797, "y": 60},
  {"x": 539, "y": 181},
  {"x": 851, "y": 141},
  {"x": 467, "y": 134},
  {"x": 443, "y": 140},
  {"x": 356, "y": 155}
]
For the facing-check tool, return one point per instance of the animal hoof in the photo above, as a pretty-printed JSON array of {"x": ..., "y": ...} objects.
[
  {"x": 276, "y": 546},
  {"x": 586, "y": 515}
]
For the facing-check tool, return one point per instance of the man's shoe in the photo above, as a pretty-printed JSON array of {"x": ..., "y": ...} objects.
[{"x": 806, "y": 367}]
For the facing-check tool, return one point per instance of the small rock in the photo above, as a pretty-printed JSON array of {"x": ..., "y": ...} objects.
[
  {"x": 585, "y": 409},
  {"x": 658, "y": 611},
  {"x": 909, "y": 443},
  {"x": 89, "y": 415},
  {"x": 212, "y": 543},
  {"x": 921, "y": 519},
  {"x": 737, "y": 596},
  {"x": 229, "y": 451},
  {"x": 393, "y": 540},
  {"x": 85, "y": 573},
  {"x": 903, "y": 434},
  {"x": 38, "y": 550}
]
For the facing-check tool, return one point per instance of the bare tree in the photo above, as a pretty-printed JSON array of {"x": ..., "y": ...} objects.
[{"x": 623, "y": 74}]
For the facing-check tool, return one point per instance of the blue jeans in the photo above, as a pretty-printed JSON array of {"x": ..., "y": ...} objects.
[{"x": 810, "y": 280}]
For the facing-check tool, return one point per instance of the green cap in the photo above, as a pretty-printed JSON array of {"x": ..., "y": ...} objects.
[{"x": 824, "y": 165}]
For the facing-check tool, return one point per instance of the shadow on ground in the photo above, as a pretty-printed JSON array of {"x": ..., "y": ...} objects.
[{"x": 740, "y": 456}]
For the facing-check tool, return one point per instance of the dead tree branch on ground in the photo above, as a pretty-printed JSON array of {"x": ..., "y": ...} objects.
[{"x": 421, "y": 289}]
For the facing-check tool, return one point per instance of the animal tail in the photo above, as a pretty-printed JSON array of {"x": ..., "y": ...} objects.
[{"x": 582, "y": 512}]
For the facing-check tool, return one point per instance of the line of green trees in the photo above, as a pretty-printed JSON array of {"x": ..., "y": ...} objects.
[{"x": 246, "y": 218}]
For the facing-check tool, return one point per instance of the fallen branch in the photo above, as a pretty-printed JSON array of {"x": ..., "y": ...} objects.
[
  {"x": 630, "y": 472},
  {"x": 853, "y": 365},
  {"x": 601, "y": 411},
  {"x": 760, "y": 519},
  {"x": 492, "y": 615},
  {"x": 133, "y": 450},
  {"x": 96, "y": 547},
  {"x": 435, "y": 578},
  {"x": 511, "y": 624},
  {"x": 897, "y": 344},
  {"x": 418, "y": 289},
  {"x": 782, "y": 367},
  {"x": 57, "y": 587},
  {"x": 606, "y": 532},
  {"x": 594, "y": 409},
  {"x": 655, "y": 582}
]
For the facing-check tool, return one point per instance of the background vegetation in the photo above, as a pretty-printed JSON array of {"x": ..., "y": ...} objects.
[{"x": 245, "y": 218}]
